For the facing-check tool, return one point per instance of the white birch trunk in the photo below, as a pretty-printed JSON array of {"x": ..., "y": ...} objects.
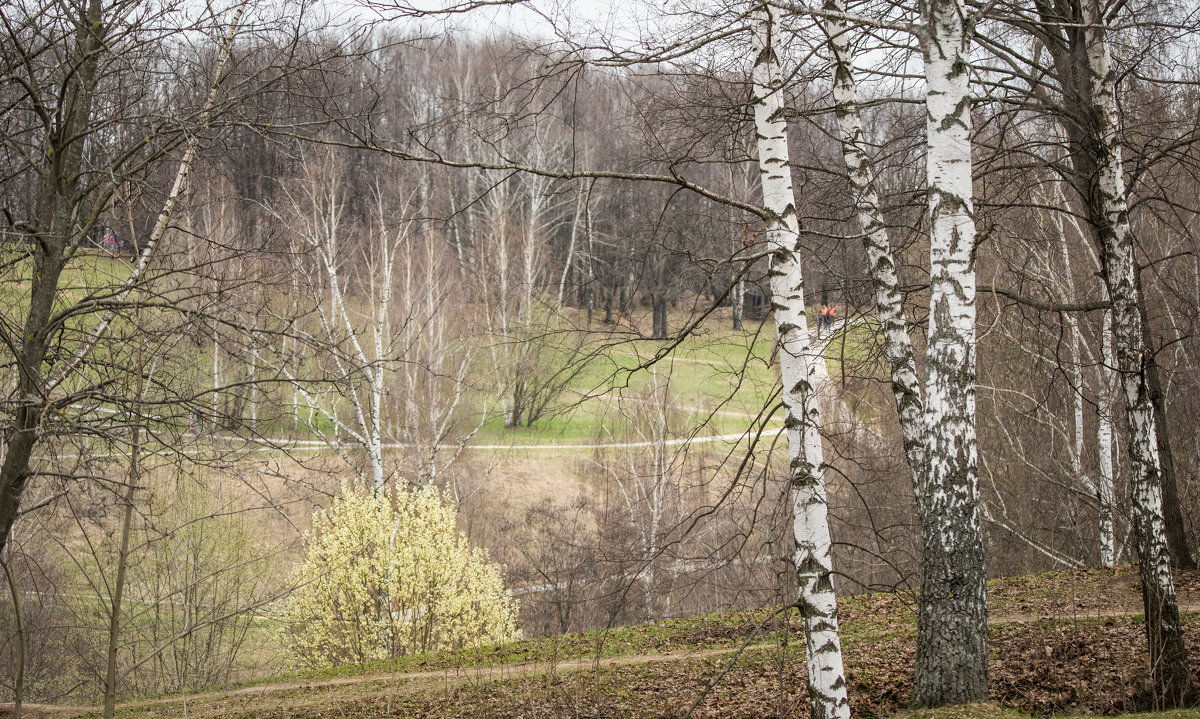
[
  {"x": 1104, "y": 446},
  {"x": 739, "y": 239},
  {"x": 455, "y": 233},
  {"x": 814, "y": 555},
  {"x": 342, "y": 324},
  {"x": 898, "y": 348},
  {"x": 216, "y": 379},
  {"x": 591, "y": 258},
  {"x": 579, "y": 217},
  {"x": 289, "y": 346},
  {"x": 383, "y": 348},
  {"x": 951, "y": 665},
  {"x": 1101, "y": 487},
  {"x": 253, "y": 386},
  {"x": 1168, "y": 655}
]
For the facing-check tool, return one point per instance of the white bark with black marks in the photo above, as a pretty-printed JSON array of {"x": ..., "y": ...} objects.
[
  {"x": 1170, "y": 674},
  {"x": 1104, "y": 446},
  {"x": 951, "y": 664},
  {"x": 814, "y": 556},
  {"x": 881, "y": 263}
]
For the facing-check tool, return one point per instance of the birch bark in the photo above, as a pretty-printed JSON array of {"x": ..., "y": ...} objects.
[
  {"x": 741, "y": 238},
  {"x": 951, "y": 663},
  {"x": 1174, "y": 526},
  {"x": 1168, "y": 655},
  {"x": 813, "y": 558},
  {"x": 1104, "y": 445},
  {"x": 1102, "y": 488},
  {"x": 898, "y": 348}
]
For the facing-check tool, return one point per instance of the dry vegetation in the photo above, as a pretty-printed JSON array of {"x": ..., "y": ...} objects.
[{"x": 1060, "y": 643}]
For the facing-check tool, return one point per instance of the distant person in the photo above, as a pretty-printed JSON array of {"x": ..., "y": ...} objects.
[
  {"x": 822, "y": 318},
  {"x": 830, "y": 317}
]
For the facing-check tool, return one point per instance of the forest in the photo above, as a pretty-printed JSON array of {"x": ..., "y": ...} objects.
[{"x": 335, "y": 333}]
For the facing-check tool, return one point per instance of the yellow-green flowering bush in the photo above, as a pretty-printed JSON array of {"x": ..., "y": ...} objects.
[{"x": 385, "y": 577}]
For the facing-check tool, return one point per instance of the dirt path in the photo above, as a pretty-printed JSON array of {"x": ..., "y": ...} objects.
[
  {"x": 1083, "y": 613},
  {"x": 48, "y": 711}
]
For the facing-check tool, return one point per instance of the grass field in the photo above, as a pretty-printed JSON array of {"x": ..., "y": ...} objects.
[{"x": 716, "y": 379}]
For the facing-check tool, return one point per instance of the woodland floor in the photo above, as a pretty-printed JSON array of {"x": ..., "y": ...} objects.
[{"x": 1060, "y": 643}]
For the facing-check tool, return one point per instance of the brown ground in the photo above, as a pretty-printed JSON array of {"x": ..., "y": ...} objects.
[{"x": 1060, "y": 642}]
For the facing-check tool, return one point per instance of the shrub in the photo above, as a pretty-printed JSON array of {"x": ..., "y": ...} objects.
[{"x": 389, "y": 577}]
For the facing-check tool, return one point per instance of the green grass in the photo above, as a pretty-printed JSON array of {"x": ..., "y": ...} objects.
[
  {"x": 852, "y": 350},
  {"x": 713, "y": 631},
  {"x": 718, "y": 377},
  {"x": 718, "y": 380},
  {"x": 713, "y": 368}
]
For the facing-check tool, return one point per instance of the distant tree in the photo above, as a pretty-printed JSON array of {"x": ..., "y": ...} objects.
[{"x": 184, "y": 576}]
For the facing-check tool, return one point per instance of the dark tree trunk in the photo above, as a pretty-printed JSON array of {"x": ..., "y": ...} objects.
[
  {"x": 659, "y": 303},
  {"x": 54, "y": 235},
  {"x": 739, "y": 302}
]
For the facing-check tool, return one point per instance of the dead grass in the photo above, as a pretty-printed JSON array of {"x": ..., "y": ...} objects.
[{"x": 1086, "y": 656}]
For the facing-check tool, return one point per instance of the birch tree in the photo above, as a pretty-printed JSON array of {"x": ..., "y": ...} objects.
[
  {"x": 951, "y": 663},
  {"x": 881, "y": 264},
  {"x": 1066, "y": 349},
  {"x": 1082, "y": 96},
  {"x": 1105, "y": 445},
  {"x": 939, "y": 429},
  {"x": 1101, "y": 487},
  {"x": 426, "y": 402},
  {"x": 359, "y": 342},
  {"x": 814, "y": 556},
  {"x": 1170, "y": 674}
]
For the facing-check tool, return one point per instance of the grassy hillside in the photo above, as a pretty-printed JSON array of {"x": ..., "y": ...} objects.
[{"x": 1061, "y": 643}]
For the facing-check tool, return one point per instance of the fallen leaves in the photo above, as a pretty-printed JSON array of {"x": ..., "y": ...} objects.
[{"x": 1073, "y": 663}]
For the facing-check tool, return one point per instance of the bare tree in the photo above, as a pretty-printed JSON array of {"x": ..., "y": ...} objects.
[
  {"x": 1110, "y": 218},
  {"x": 952, "y": 616},
  {"x": 64, "y": 111},
  {"x": 814, "y": 558}
]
